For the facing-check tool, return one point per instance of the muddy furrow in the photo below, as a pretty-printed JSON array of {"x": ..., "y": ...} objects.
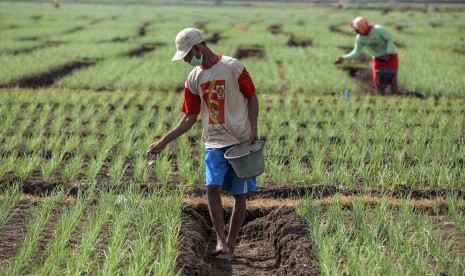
[{"x": 273, "y": 241}]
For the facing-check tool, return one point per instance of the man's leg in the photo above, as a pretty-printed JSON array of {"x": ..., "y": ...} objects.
[
  {"x": 394, "y": 85},
  {"x": 378, "y": 86},
  {"x": 393, "y": 64},
  {"x": 237, "y": 219},
  {"x": 381, "y": 89},
  {"x": 215, "y": 206}
]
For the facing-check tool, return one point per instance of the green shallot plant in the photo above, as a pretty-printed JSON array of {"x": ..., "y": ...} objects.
[
  {"x": 35, "y": 227},
  {"x": 69, "y": 221},
  {"x": 10, "y": 197},
  {"x": 81, "y": 260}
]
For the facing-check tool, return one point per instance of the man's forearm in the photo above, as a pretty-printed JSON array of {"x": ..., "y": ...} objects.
[
  {"x": 253, "y": 112},
  {"x": 182, "y": 127}
]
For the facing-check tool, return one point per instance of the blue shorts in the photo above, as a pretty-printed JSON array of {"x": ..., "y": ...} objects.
[{"x": 218, "y": 172}]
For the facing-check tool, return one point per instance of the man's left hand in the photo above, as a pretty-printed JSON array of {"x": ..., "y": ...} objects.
[{"x": 253, "y": 136}]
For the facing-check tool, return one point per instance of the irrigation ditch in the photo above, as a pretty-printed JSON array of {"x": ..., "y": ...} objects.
[{"x": 273, "y": 240}]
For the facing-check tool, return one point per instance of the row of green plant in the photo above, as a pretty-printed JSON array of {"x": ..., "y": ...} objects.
[
  {"x": 131, "y": 233},
  {"x": 98, "y": 138},
  {"x": 69, "y": 138},
  {"x": 11, "y": 196},
  {"x": 379, "y": 142},
  {"x": 362, "y": 238},
  {"x": 137, "y": 233},
  {"x": 37, "y": 38}
]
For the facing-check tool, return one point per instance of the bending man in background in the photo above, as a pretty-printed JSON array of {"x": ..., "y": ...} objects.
[{"x": 379, "y": 43}]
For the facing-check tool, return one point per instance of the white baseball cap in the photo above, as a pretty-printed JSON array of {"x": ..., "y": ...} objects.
[{"x": 185, "y": 40}]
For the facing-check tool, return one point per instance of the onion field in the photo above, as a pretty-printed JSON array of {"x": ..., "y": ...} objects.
[{"x": 353, "y": 185}]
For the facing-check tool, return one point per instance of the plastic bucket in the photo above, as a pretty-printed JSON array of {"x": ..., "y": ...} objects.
[
  {"x": 385, "y": 76},
  {"x": 247, "y": 160}
]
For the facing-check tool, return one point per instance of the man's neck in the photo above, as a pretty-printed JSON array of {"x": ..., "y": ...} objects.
[{"x": 209, "y": 59}]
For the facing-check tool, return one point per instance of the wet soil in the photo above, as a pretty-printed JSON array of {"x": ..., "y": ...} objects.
[
  {"x": 117, "y": 39},
  {"x": 360, "y": 70},
  {"x": 272, "y": 241},
  {"x": 214, "y": 38},
  {"x": 36, "y": 186},
  {"x": 28, "y": 38},
  {"x": 73, "y": 30},
  {"x": 46, "y": 44},
  {"x": 252, "y": 51},
  {"x": 143, "y": 29},
  {"x": 144, "y": 49},
  {"x": 361, "y": 73},
  {"x": 298, "y": 42},
  {"x": 275, "y": 29},
  {"x": 48, "y": 78}
]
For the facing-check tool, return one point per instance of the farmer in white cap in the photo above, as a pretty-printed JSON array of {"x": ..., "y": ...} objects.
[
  {"x": 379, "y": 43},
  {"x": 220, "y": 89}
]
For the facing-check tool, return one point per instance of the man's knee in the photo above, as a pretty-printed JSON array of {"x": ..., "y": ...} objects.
[
  {"x": 214, "y": 190},
  {"x": 240, "y": 198}
]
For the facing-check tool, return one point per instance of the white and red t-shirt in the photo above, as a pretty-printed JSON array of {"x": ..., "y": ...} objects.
[{"x": 219, "y": 94}]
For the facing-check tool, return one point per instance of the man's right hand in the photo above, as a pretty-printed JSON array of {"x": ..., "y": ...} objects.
[
  {"x": 339, "y": 60},
  {"x": 156, "y": 147}
]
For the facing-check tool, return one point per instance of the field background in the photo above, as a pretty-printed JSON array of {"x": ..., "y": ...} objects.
[
  {"x": 377, "y": 181},
  {"x": 104, "y": 39}
]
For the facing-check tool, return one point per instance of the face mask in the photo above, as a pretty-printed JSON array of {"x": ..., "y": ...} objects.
[{"x": 196, "y": 61}]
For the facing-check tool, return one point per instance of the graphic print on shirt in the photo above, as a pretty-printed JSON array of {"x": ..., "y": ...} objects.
[{"x": 213, "y": 93}]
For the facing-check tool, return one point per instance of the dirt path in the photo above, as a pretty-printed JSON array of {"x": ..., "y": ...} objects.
[{"x": 273, "y": 241}]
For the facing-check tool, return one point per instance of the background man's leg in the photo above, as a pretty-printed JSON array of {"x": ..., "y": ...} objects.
[{"x": 394, "y": 85}]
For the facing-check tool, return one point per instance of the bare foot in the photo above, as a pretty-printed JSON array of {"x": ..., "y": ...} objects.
[
  {"x": 217, "y": 252},
  {"x": 220, "y": 249}
]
